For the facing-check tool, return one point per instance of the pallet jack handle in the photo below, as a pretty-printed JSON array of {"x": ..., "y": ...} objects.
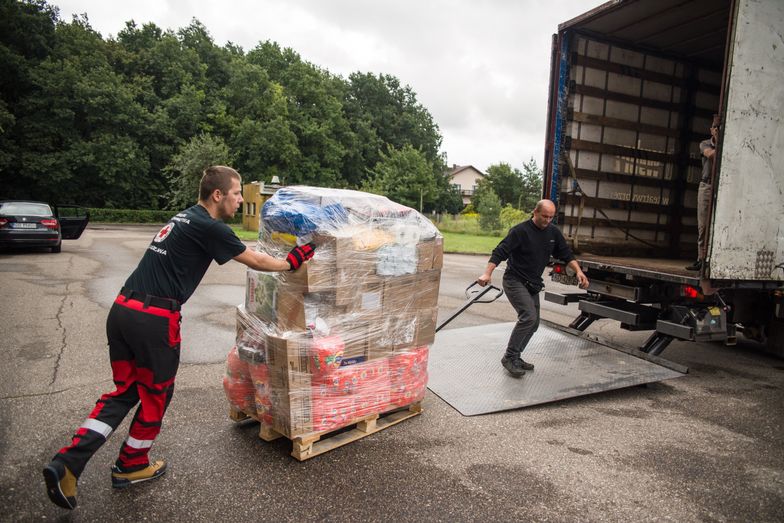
[{"x": 472, "y": 297}]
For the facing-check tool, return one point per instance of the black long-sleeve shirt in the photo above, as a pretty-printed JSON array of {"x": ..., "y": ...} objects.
[{"x": 527, "y": 249}]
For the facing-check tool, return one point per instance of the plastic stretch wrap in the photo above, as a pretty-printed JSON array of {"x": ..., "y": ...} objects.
[{"x": 345, "y": 336}]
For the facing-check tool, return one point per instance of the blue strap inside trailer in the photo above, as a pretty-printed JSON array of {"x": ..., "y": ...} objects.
[{"x": 561, "y": 105}]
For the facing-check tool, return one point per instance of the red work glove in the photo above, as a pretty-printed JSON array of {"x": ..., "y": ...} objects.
[{"x": 300, "y": 254}]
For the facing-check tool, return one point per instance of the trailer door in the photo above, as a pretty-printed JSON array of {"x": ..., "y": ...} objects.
[{"x": 747, "y": 237}]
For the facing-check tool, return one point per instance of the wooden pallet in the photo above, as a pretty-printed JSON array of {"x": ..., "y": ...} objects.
[
  {"x": 237, "y": 415},
  {"x": 312, "y": 445}
]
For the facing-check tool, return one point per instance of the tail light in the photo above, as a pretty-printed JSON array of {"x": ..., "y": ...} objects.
[
  {"x": 3, "y": 222},
  {"x": 50, "y": 223},
  {"x": 692, "y": 292}
]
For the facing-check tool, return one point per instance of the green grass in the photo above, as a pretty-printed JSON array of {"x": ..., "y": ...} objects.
[
  {"x": 469, "y": 243},
  {"x": 242, "y": 234},
  {"x": 453, "y": 242}
]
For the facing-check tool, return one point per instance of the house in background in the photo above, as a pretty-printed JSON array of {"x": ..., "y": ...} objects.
[
  {"x": 254, "y": 195},
  {"x": 464, "y": 178}
]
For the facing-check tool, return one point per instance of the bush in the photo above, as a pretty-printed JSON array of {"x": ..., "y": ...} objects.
[
  {"x": 469, "y": 224},
  {"x": 138, "y": 216},
  {"x": 511, "y": 217},
  {"x": 461, "y": 224}
]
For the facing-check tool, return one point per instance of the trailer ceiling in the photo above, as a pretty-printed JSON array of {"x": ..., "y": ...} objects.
[{"x": 694, "y": 30}]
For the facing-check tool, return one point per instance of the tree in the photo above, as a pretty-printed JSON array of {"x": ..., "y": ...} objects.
[
  {"x": 448, "y": 198},
  {"x": 315, "y": 115},
  {"x": 187, "y": 166},
  {"x": 531, "y": 186},
  {"x": 256, "y": 125},
  {"x": 78, "y": 128},
  {"x": 27, "y": 35},
  {"x": 488, "y": 205},
  {"x": 96, "y": 121},
  {"x": 382, "y": 115},
  {"x": 506, "y": 183},
  {"x": 405, "y": 176}
]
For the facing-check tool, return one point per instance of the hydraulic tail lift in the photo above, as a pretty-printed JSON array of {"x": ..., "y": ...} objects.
[{"x": 465, "y": 364}]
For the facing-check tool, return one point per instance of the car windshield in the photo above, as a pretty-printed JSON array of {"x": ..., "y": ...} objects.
[{"x": 26, "y": 208}]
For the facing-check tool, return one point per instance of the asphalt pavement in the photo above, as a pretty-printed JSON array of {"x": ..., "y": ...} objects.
[{"x": 705, "y": 447}]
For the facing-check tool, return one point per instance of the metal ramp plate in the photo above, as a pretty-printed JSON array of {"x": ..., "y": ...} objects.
[{"x": 465, "y": 368}]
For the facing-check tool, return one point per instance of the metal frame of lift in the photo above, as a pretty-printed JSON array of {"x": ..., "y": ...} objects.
[{"x": 614, "y": 301}]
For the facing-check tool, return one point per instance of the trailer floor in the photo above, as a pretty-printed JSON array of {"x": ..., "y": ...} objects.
[
  {"x": 465, "y": 368},
  {"x": 669, "y": 269}
]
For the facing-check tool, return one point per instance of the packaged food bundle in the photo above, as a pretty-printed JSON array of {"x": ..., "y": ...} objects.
[
  {"x": 237, "y": 384},
  {"x": 408, "y": 376},
  {"x": 259, "y": 373},
  {"x": 345, "y": 336}
]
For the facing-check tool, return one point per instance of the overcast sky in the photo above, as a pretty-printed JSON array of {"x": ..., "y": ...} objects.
[{"x": 480, "y": 67}]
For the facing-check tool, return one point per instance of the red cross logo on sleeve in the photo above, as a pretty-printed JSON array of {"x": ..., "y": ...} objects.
[{"x": 164, "y": 232}]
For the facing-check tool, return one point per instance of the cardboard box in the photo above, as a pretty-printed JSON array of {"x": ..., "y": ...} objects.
[
  {"x": 438, "y": 253},
  {"x": 287, "y": 306},
  {"x": 413, "y": 328},
  {"x": 292, "y": 409},
  {"x": 313, "y": 276},
  {"x": 355, "y": 337},
  {"x": 427, "y": 320},
  {"x": 290, "y": 384},
  {"x": 358, "y": 292},
  {"x": 278, "y": 305},
  {"x": 413, "y": 291},
  {"x": 287, "y": 356},
  {"x": 349, "y": 250},
  {"x": 425, "y": 255}
]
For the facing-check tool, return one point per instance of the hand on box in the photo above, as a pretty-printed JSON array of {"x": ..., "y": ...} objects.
[{"x": 300, "y": 254}]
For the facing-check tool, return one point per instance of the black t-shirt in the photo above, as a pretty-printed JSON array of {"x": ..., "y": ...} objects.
[
  {"x": 528, "y": 248},
  {"x": 181, "y": 252}
]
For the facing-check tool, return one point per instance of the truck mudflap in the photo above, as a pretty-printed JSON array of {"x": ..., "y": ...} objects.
[{"x": 465, "y": 368}]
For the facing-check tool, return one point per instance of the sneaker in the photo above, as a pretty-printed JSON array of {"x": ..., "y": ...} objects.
[
  {"x": 122, "y": 479},
  {"x": 513, "y": 365},
  {"x": 694, "y": 266},
  {"x": 525, "y": 365},
  {"x": 60, "y": 485}
]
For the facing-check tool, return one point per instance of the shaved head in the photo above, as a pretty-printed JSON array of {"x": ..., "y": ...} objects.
[
  {"x": 544, "y": 212},
  {"x": 544, "y": 204}
]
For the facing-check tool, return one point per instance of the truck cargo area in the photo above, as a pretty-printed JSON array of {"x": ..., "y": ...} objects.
[
  {"x": 635, "y": 87},
  {"x": 465, "y": 368}
]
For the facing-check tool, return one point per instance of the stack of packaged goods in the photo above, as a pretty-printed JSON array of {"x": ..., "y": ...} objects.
[{"x": 345, "y": 336}]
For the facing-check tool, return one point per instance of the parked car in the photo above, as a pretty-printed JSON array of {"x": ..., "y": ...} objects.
[{"x": 34, "y": 224}]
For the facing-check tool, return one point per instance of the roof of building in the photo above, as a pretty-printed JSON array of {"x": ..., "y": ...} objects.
[{"x": 460, "y": 168}]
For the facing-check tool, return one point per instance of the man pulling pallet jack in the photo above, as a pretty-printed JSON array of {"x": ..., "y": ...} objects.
[{"x": 527, "y": 248}]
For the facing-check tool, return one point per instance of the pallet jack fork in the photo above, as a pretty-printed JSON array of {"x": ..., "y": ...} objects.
[{"x": 472, "y": 296}]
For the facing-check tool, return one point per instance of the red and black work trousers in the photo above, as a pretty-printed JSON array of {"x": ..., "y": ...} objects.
[{"x": 144, "y": 350}]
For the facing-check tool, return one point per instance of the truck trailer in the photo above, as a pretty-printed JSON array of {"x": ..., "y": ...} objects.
[{"x": 634, "y": 88}]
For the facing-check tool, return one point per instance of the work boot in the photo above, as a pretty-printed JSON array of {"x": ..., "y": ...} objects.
[
  {"x": 513, "y": 366},
  {"x": 525, "y": 365},
  {"x": 60, "y": 485},
  {"x": 694, "y": 266},
  {"x": 122, "y": 479}
]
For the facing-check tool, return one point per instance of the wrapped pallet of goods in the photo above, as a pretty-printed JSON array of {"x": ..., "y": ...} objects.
[{"x": 344, "y": 339}]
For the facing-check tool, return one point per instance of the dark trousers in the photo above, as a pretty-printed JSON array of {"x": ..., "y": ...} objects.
[
  {"x": 526, "y": 305},
  {"x": 704, "y": 195},
  {"x": 144, "y": 351}
]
